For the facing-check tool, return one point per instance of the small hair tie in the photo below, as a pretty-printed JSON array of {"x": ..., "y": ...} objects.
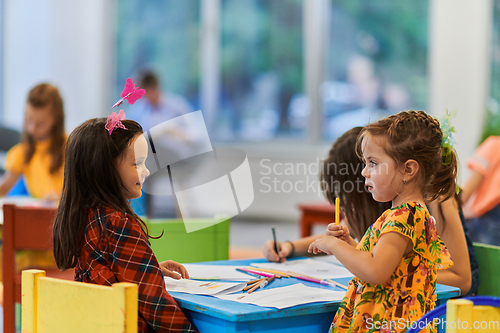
[
  {"x": 447, "y": 130},
  {"x": 448, "y": 141},
  {"x": 114, "y": 121}
]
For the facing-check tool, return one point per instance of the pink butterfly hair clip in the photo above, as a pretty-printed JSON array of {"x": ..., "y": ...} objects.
[
  {"x": 131, "y": 93},
  {"x": 114, "y": 121}
]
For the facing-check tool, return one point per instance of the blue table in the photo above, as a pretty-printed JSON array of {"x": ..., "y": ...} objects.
[{"x": 211, "y": 314}]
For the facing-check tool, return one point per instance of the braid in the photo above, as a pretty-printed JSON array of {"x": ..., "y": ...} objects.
[{"x": 416, "y": 135}]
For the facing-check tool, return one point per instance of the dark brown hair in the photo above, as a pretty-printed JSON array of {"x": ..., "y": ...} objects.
[
  {"x": 91, "y": 180},
  {"x": 417, "y": 136},
  {"x": 41, "y": 96},
  {"x": 148, "y": 79},
  {"x": 341, "y": 177}
]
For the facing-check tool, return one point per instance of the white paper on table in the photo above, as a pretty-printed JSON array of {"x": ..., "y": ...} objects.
[
  {"x": 285, "y": 297},
  {"x": 310, "y": 267},
  {"x": 210, "y": 288},
  {"x": 331, "y": 259},
  {"x": 216, "y": 272}
]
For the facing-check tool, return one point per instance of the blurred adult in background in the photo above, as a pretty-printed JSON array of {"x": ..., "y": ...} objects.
[
  {"x": 158, "y": 105},
  {"x": 481, "y": 193},
  {"x": 40, "y": 158},
  {"x": 174, "y": 139}
]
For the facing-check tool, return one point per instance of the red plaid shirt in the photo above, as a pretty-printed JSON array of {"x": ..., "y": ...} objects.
[{"x": 123, "y": 254}]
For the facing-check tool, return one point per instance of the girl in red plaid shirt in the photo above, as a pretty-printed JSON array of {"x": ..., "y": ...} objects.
[{"x": 97, "y": 232}]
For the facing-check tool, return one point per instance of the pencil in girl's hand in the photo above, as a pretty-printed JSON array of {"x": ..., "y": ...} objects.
[
  {"x": 276, "y": 248},
  {"x": 337, "y": 211}
]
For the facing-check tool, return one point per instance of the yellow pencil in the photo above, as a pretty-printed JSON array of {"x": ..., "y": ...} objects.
[{"x": 337, "y": 211}]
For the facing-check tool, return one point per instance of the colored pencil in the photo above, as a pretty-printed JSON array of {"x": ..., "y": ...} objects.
[
  {"x": 251, "y": 271},
  {"x": 337, "y": 211},
  {"x": 278, "y": 274},
  {"x": 266, "y": 282},
  {"x": 337, "y": 284},
  {"x": 255, "y": 286},
  {"x": 323, "y": 282},
  {"x": 255, "y": 274},
  {"x": 250, "y": 286},
  {"x": 300, "y": 277},
  {"x": 293, "y": 274},
  {"x": 256, "y": 280}
]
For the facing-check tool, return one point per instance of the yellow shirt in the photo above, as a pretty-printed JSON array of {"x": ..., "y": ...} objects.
[{"x": 39, "y": 181}]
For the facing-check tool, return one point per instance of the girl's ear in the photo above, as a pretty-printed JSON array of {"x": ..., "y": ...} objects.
[{"x": 411, "y": 168}]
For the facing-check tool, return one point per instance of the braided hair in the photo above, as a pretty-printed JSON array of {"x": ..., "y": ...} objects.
[{"x": 416, "y": 135}]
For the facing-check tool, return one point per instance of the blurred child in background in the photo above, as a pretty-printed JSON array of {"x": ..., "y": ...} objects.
[{"x": 39, "y": 156}]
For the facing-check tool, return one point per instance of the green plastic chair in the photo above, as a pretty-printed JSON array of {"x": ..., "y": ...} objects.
[
  {"x": 488, "y": 259},
  {"x": 208, "y": 244}
]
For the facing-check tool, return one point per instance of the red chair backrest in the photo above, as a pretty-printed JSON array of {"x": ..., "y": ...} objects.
[{"x": 24, "y": 228}]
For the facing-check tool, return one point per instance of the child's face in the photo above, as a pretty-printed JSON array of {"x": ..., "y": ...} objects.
[
  {"x": 39, "y": 121},
  {"x": 153, "y": 95},
  {"x": 131, "y": 167},
  {"x": 382, "y": 177}
]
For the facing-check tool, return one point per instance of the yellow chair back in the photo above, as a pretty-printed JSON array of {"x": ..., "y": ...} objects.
[
  {"x": 57, "y": 306},
  {"x": 463, "y": 316}
]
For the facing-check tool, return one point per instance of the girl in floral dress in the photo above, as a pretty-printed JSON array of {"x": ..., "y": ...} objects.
[{"x": 395, "y": 263}]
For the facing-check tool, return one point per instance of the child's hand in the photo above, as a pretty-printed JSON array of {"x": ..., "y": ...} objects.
[
  {"x": 338, "y": 230},
  {"x": 174, "y": 270},
  {"x": 271, "y": 255},
  {"x": 323, "y": 244}
]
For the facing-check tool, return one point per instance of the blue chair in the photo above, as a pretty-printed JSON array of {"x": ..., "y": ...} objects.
[
  {"x": 19, "y": 188},
  {"x": 139, "y": 205}
]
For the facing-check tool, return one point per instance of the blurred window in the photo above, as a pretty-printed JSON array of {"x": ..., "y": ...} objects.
[
  {"x": 162, "y": 35},
  {"x": 492, "y": 123},
  {"x": 261, "y": 68},
  {"x": 376, "y": 63},
  {"x": 2, "y": 29}
]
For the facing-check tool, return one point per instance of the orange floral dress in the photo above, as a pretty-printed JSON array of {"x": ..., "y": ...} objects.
[{"x": 410, "y": 292}]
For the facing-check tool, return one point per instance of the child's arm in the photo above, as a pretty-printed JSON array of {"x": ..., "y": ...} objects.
[
  {"x": 471, "y": 185},
  {"x": 452, "y": 234},
  {"x": 134, "y": 261},
  {"x": 374, "y": 267},
  {"x": 174, "y": 270},
  {"x": 299, "y": 248},
  {"x": 301, "y": 245},
  {"x": 7, "y": 181}
]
